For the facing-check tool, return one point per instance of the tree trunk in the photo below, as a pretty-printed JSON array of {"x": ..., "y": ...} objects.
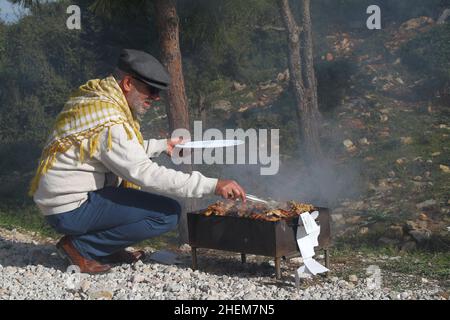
[
  {"x": 295, "y": 67},
  {"x": 177, "y": 104},
  {"x": 313, "y": 117},
  {"x": 168, "y": 30},
  {"x": 303, "y": 81}
]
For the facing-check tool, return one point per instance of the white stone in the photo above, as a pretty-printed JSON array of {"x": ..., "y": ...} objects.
[{"x": 353, "y": 278}]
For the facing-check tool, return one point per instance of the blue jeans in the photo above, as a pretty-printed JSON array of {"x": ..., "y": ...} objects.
[{"x": 115, "y": 218}]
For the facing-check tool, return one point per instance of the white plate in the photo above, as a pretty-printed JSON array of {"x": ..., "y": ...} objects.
[{"x": 209, "y": 144}]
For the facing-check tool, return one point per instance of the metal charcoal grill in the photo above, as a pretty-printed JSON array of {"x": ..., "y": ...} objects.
[{"x": 248, "y": 236}]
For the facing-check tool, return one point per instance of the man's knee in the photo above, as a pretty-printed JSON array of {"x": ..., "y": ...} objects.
[
  {"x": 172, "y": 220},
  {"x": 173, "y": 216},
  {"x": 170, "y": 213},
  {"x": 174, "y": 212},
  {"x": 177, "y": 208}
]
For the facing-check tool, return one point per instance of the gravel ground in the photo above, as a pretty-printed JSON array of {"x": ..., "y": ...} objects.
[{"x": 31, "y": 269}]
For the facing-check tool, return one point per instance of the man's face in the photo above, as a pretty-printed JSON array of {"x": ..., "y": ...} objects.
[{"x": 140, "y": 98}]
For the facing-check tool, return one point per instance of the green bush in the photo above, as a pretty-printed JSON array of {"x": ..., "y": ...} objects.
[
  {"x": 41, "y": 62},
  {"x": 429, "y": 54},
  {"x": 332, "y": 81}
]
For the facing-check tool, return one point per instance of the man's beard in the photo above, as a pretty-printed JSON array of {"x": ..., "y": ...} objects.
[
  {"x": 136, "y": 115},
  {"x": 136, "y": 105}
]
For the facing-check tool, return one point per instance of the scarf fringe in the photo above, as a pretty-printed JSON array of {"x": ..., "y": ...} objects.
[
  {"x": 81, "y": 152},
  {"x": 48, "y": 157}
]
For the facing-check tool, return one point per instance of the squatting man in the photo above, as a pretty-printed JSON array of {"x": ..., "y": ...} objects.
[{"x": 95, "y": 175}]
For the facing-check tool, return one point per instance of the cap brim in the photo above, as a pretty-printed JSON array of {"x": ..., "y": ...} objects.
[{"x": 159, "y": 85}]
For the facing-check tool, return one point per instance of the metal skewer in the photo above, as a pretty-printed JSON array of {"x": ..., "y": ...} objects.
[
  {"x": 253, "y": 198},
  {"x": 256, "y": 199}
]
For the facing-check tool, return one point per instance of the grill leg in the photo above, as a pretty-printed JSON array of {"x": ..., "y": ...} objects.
[
  {"x": 194, "y": 258},
  {"x": 243, "y": 258},
  {"x": 327, "y": 257},
  {"x": 278, "y": 267}
]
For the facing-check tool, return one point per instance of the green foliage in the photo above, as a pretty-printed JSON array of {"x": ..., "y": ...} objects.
[
  {"x": 3, "y": 29},
  {"x": 41, "y": 63},
  {"x": 404, "y": 10},
  {"x": 420, "y": 263},
  {"x": 429, "y": 53},
  {"x": 227, "y": 39},
  {"x": 29, "y": 219},
  {"x": 352, "y": 13},
  {"x": 114, "y": 8},
  {"x": 332, "y": 80}
]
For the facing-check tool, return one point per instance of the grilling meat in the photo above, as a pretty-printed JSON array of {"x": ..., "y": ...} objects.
[
  {"x": 257, "y": 211},
  {"x": 219, "y": 208},
  {"x": 299, "y": 208}
]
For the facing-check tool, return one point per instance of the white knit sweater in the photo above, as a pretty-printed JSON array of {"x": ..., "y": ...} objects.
[{"x": 65, "y": 186}]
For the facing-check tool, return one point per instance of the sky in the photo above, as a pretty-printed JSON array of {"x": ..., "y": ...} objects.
[{"x": 9, "y": 12}]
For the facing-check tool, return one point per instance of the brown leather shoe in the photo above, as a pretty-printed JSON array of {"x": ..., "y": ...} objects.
[
  {"x": 69, "y": 252},
  {"x": 124, "y": 256}
]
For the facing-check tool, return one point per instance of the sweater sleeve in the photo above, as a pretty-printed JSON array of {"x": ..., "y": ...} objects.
[
  {"x": 154, "y": 147},
  {"x": 129, "y": 160}
]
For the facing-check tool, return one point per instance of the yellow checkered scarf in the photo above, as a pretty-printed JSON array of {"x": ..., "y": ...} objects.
[{"x": 94, "y": 107}]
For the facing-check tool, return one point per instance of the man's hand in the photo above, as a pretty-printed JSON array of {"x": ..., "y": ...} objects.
[
  {"x": 171, "y": 143},
  {"x": 230, "y": 189}
]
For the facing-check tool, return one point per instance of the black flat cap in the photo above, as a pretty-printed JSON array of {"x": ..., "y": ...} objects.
[{"x": 145, "y": 67}]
